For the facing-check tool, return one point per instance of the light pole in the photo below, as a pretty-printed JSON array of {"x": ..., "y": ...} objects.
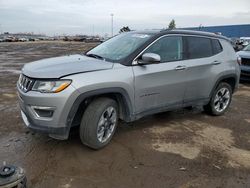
[{"x": 112, "y": 22}]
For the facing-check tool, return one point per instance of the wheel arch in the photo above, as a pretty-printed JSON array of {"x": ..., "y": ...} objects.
[
  {"x": 120, "y": 95},
  {"x": 231, "y": 79}
]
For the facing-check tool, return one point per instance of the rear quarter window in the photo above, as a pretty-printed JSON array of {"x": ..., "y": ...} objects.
[
  {"x": 217, "y": 48},
  {"x": 199, "y": 47}
]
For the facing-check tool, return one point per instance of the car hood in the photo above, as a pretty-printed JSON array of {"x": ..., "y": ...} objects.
[
  {"x": 244, "y": 54},
  {"x": 65, "y": 65}
]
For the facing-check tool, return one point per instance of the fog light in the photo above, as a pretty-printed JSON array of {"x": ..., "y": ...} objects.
[{"x": 43, "y": 112}]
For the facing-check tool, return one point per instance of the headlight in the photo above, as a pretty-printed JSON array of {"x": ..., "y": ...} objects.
[{"x": 50, "y": 86}]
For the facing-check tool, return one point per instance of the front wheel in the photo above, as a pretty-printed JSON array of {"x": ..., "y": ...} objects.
[
  {"x": 99, "y": 123},
  {"x": 220, "y": 100}
]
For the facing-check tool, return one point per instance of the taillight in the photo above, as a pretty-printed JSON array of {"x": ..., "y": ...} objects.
[{"x": 239, "y": 60}]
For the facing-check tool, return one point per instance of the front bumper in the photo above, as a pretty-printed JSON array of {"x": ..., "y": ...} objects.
[
  {"x": 58, "y": 133},
  {"x": 245, "y": 73},
  {"x": 58, "y": 124}
]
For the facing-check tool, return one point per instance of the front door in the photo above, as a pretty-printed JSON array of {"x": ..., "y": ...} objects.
[{"x": 161, "y": 85}]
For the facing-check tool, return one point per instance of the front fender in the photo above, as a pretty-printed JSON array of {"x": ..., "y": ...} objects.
[{"x": 98, "y": 92}]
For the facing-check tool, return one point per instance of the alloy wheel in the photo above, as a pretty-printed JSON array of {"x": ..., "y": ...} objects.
[
  {"x": 222, "y": 99},
  {"x": 106, "y": 124}
]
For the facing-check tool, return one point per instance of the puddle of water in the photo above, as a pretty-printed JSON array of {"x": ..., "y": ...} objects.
[
  {"x": 11, "y": 64},
  {"x": 9, "y": 95},
  {"x": 10, "y": 71}
]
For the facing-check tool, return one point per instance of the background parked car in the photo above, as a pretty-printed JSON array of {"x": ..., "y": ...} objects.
[
  {"x": 10, "y": 39},
  {"x": 244, "y": 54},
  {"x": 31, "y": 39},
  {"x": 23, "y": 40}
]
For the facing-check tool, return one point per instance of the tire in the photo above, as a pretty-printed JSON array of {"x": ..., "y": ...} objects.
[
  {"x": 220, "y": 100},
  {"x": 99, "y": 123}
]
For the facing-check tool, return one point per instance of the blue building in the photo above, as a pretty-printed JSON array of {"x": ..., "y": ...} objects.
[{"x": 227, "y": 30}]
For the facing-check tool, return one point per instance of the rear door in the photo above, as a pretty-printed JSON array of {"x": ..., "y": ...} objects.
[
  {"x": 161, "y": 85},
  {"x": 203, "y": 63}
]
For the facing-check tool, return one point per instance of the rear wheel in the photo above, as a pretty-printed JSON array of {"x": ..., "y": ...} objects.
[
  {"x": 220, "y": 100},
  {"x": 99, "y": 123}
]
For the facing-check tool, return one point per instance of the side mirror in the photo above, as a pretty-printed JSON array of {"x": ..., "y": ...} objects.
[{"x": 149, "y": 58}]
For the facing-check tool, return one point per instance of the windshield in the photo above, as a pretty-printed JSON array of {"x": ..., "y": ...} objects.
[
  {"x": 120, "y": 46},
  {"x": 247, "y": 48}
]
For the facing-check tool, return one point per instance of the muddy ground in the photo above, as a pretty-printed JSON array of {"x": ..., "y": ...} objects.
[{"x": 184, "y": 148}]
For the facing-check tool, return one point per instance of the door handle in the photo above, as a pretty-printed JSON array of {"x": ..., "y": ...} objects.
[
  {"x": 216, "y": 62},
  {"x": 180, "y": 67}
]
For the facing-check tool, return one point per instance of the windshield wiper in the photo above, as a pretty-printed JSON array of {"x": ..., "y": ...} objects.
[{"x": 95, "y": 56}]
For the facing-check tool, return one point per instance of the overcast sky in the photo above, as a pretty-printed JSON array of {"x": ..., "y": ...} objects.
[{"x": 93, "y": 16}]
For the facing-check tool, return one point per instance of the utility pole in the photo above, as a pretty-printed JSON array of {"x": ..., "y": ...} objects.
[
  {"x": 112, "y": 23},
  {"x": 200, "y": 27}
]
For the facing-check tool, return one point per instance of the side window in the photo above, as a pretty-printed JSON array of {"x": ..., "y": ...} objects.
[
  {"x": 217, "y": 48},
  {"x": 169, "y": 48},
  {"x": 199, "y": 47}
]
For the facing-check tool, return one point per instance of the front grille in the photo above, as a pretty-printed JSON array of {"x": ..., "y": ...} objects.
[
  {"x": 245, "y": 73},
  {"x": 25, "y": 83},
  {"x": 245, "y": 61}
]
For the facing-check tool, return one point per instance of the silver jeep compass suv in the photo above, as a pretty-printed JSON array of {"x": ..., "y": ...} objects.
[{"x": 127, "y": 77}]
